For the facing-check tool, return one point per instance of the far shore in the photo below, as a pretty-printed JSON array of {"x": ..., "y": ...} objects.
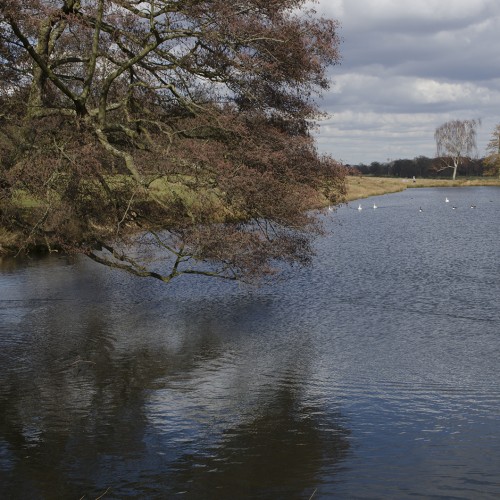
[{"x": 365, "y": 186}]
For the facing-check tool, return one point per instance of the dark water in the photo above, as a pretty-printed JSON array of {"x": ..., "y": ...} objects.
[{"x": 373, "y": 374}]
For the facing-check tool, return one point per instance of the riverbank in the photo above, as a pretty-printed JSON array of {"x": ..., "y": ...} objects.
[
  {"x": 357, "y": 187},
  {"x": 365, "y": 186}
]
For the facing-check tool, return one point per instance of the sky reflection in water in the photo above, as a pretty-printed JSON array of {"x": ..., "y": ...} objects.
[{"x": 374, "y": 373}]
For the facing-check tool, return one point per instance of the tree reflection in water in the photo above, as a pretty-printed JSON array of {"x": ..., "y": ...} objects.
[
  {"x": 91, "y": 402},
  {"x": 280, "y": 454}
]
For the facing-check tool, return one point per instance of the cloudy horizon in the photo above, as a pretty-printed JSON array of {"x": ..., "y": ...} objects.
[{"x": 407, "y": 67}]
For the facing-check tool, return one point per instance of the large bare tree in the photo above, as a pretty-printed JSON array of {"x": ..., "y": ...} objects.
[
  {"x": 456, "y": 140},
  {"x": 132, "y": 127}
]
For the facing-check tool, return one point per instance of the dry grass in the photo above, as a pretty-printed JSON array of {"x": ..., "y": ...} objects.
[
  {"x": 465, "y": 181},
  {"x": 364, "y": 187},
  {"x": 8, "y": 241}
]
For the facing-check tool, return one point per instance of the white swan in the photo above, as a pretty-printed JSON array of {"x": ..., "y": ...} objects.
[
  {"x": 374, "y": 206},
  {"x": 447, "y": 200},
  {"x": 359, "y": 207}
]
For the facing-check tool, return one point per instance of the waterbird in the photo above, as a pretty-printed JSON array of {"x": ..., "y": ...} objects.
[
  {"x": 447, "y": 200},
  {"x": 420, "y": 209},
  {"x": 473, "y": 206},
  {"x": 374, "y": 206},
  {"x": 359, "y": 207},
  {"x": 330, "y": 208},
  {"x": 454, "y": 208}
]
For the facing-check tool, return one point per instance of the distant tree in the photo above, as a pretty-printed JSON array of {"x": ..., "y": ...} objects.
[
  {"x": 404, "y": 168},
  {"x": 361, "y": 168},
  {"x": 472, "y": 167},
  {"x": 456, "y": 140},
  {"x": 492, "y": 160},
  {"x": 375, "y": 168},
  {"x": 182, "y": 126},
  {"x": 422, "y": 166}
]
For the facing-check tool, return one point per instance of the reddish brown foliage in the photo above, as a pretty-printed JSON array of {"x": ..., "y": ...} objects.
[{"x": 188, "y": 121}]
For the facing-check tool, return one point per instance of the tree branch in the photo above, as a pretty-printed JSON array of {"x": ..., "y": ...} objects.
[
  {"x": 41, "y": 63},
  {"x": 93, "y": 53}
]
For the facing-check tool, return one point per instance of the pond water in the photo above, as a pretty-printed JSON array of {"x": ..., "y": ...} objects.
[{"x": 374, "y": 373}]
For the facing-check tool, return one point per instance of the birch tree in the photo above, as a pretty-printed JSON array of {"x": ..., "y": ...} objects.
[{"x": 456, "y": 140}]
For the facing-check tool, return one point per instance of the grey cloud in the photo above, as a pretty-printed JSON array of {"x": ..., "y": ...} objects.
[{"x": 405, "y": 63}]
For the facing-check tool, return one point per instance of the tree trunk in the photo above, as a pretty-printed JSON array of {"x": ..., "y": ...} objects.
[
  {"x": 455, "y": 167},
  {"x": 35, "y": 100}
]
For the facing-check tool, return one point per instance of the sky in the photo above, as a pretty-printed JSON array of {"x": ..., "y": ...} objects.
[{"x": 407, "y": 67}]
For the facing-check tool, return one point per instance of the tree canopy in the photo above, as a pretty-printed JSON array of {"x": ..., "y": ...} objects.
[
  {"x": 131, "y": 129},
  {"x": 492, "y": 159}
]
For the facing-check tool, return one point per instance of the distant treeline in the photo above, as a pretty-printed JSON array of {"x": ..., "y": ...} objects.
[{"x": 423, "y": 167}]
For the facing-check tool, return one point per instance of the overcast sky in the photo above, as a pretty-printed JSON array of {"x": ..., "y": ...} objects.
[{"x": 407, "y": 67}]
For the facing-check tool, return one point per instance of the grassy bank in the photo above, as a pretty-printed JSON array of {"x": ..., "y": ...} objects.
[
  {"x": 364, "y": 186},
  {"x": 357, "y": 187}
]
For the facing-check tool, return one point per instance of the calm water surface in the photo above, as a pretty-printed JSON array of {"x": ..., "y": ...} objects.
[{"x": 374, "y": 373}]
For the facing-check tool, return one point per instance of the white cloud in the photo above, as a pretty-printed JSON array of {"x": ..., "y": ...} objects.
[{"x": 431, "y": 91}]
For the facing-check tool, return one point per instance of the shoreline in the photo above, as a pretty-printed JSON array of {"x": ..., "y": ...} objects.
[{"x": 359, "y": 187}]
